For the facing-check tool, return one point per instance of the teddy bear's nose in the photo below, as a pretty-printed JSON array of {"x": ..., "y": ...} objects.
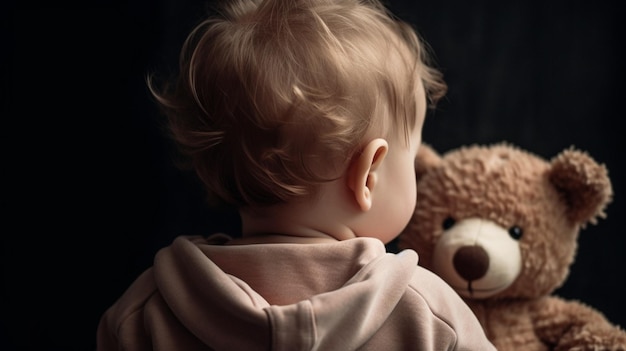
[{"x": 471, "y": 262}]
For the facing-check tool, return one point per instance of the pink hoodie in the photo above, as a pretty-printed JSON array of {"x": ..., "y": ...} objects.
[{"x": 348, "y": 295}]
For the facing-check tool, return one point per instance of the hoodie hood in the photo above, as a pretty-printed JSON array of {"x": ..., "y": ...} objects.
[{"x": 226, "y": 313}]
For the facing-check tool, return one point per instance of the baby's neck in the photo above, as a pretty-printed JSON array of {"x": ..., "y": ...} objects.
[
  {"x": 322, "y": 219},
  {"x": 279, "y": 239}
]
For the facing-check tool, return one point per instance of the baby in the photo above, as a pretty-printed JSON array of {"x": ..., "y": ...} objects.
[{"x": 307, "y": 116}]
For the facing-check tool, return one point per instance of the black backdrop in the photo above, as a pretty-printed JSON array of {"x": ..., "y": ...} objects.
[{"x": 91, "y": 191}]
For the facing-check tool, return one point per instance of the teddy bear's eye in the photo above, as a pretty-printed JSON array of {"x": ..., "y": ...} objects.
[
  {"x": 448, "y": 223},
  {"x": 516, "y": 232}
]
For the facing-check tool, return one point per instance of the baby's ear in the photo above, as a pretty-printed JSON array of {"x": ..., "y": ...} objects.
[
  {"x": 362, "y": 172},
  {"x": 426, "y": 159}
]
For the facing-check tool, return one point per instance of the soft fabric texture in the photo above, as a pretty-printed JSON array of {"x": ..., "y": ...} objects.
[
  {"x": 350, "y": 295},
  {"x": 500, "y": 225}
]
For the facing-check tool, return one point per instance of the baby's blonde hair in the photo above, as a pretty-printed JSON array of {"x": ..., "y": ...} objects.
[{"x": 274, "y": 97}]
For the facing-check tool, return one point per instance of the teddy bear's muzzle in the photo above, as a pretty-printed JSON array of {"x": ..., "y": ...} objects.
[{"x": 477, "y": 257}]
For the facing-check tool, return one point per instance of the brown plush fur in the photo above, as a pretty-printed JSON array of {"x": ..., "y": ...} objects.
[{"x": 550, "y": 201}]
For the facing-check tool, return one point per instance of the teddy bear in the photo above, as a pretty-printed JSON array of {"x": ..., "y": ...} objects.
[{"x": 500, "y": 225}]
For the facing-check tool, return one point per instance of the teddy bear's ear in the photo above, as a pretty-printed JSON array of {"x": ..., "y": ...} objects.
[
  {"x": 426, "y": 159},
  {"x": 583, "y": 184}
]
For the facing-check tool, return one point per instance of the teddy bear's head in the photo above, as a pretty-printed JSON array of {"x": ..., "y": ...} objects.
[{"x": 496, "y": 221}]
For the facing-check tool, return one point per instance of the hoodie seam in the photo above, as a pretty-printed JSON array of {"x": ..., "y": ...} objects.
[
  {"x": 437, "y": 315},
  {"x": 138, "y": 310}
]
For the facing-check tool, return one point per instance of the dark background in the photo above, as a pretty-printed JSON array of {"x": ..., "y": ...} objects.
[{"x": 91, "y": 193}]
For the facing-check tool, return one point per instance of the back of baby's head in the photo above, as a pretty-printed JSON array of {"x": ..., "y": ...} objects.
[{"x": 274, "y": 97}]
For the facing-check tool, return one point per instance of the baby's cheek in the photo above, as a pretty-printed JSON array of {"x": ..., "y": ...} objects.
[{"x": 410, "y": 207}]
